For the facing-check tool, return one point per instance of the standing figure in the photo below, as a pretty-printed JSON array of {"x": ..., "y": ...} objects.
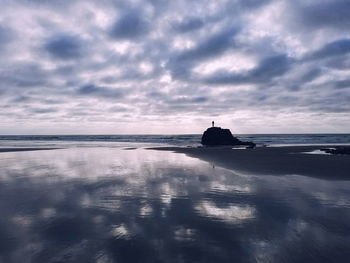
[{"x": 212, "y": 124}]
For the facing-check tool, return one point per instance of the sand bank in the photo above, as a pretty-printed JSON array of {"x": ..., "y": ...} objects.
[
  {"x": 25, "y": 149},
  {"x": 288, "y": 160}
]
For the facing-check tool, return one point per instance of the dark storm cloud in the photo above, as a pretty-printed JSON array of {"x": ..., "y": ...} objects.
[
  {"x": 21, "y": 98},
  {"x": 310, "y": 75},
  {"x": 189, "y": 24},
  {"x": 6, "y": 35},
  {"x": 96, "y": 91},
  {"x": 48, "y": 3},
  {"x": 251, "y": 4},
  {"x": 342, "y": 84},
  {"x": 130, "y": 25},
  {"x": 119, "y": 109},
  {"x": 181, "y": 63},
  {"x": 65, "y": 47},
  {"x": 264, "y": 72},
  {"x": 339, "y": 63},
  {"x": 335, "y": 48},
  {"x": 212, "y": 46},
  {"x": 43, "y": 110},
  {"x": 271, "y": 67},
  {"x": 335, "y": 101},
  {"x": 328, "y": 13},
  {"x": 24, "y": 75},
  {"x": 186, "y": 100}
]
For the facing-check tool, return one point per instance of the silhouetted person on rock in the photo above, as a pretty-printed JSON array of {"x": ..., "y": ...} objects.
[{"x": 217, "y": 136}]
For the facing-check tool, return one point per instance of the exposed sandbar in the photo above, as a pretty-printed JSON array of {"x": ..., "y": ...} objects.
[{"x": 288, "y": 160}]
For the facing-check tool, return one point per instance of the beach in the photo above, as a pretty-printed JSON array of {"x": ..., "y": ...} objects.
[
  {"x": 284, "y": 160},
  {"x": 153, "y": 131}
]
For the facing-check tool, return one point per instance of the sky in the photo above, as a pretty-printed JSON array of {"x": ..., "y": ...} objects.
[{"x": 171, "y": 67}]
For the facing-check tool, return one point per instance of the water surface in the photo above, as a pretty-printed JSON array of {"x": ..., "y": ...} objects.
[
  {"x": 113, "y": 205},
  {"x": 159, "y": 140}
]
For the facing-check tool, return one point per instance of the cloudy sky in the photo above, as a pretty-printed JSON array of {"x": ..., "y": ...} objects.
[{"x": 159, "y": 66}]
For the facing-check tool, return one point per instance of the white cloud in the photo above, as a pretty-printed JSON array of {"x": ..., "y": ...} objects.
[{"x": 261, "y": 61}]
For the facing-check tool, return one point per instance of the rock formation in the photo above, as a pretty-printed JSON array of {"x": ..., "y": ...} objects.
[
  {"x": 216, "y": 136},
  {"x": 337, "y": 150}
]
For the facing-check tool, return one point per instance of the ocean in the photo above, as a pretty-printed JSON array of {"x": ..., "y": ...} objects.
[{"x": 163, "y": 140}]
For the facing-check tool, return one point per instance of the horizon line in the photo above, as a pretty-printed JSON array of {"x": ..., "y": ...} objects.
[{"x": 169, "y": 134}]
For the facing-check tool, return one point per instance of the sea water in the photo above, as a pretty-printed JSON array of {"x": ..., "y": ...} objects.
[{"x": 163, "y": 140}]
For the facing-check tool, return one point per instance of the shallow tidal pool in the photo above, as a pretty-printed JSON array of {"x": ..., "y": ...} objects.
[{"x": 113, "y": 205}]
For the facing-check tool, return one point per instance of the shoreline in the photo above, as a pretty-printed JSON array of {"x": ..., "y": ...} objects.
[{"x": 287, "y": 160}]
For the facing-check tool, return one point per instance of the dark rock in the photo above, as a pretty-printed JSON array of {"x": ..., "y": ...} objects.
[
  {"x": 337, "y": 150},
  {"x": 217, "y": 136}
]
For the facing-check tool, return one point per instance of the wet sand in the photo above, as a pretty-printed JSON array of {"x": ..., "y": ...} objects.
[
  {"x": 25, "y": 149},
  {"x": 287, "y": 160}
]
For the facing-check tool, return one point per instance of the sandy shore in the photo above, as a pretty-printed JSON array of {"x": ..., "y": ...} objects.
[
  {"x": 273, "y": 160},
  {"x": 25, "y": 149}
]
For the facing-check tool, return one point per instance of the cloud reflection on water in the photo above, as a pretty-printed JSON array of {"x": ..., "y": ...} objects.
[
  {"x": 110, "y": 205},
  {"x": 231, "y": 214}
]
